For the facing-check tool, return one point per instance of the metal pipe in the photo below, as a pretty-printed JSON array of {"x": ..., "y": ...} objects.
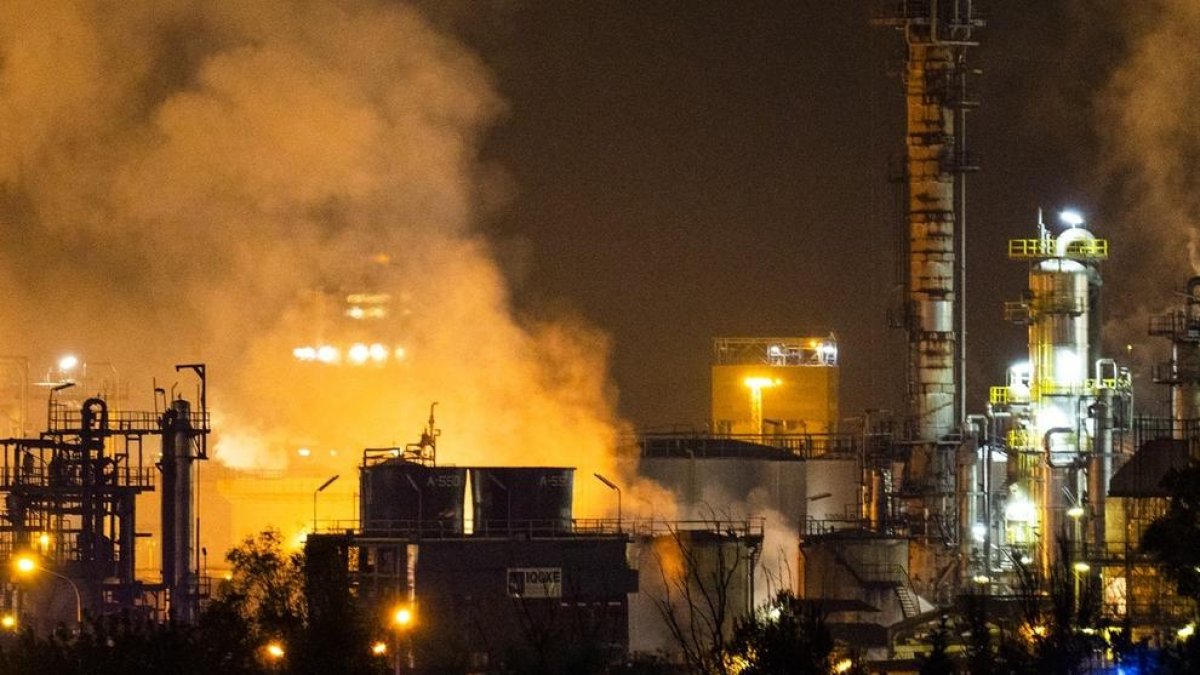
[
  {"x": 318, "y": 491},
  {"x": 1100, "y": 466},
  {"x": 983, "y": 425}
]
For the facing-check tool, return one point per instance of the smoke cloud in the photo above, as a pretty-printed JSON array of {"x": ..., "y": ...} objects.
[
  {"x": 209, "y": 181},
  {"x": 1151, "y": 143}
]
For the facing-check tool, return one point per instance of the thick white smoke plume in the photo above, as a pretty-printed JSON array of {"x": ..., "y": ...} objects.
[
  {"x": 1152, "y": 146},
  {"x": 207, "y": 181}
]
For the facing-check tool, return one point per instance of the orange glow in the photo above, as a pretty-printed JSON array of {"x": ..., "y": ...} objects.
[
  {"x": 761, "y": 382},
  {"x": 25, "y": 564},
  {"x": 252, "y": 240}
]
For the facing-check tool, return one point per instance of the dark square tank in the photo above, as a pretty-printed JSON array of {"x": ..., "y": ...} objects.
[
  {"x": 533, "y": 500},
  {"x": 398, "y": 496}
]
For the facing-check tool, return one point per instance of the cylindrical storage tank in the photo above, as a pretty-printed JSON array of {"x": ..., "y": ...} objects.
[
  {"x": 402, "y": 497},
  {"x": 532, "y": 500}
]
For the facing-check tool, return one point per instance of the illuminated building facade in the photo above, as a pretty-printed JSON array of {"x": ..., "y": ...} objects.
[{"x": 766, "y": 387}]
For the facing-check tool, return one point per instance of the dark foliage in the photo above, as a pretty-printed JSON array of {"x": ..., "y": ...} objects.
[
  {"x": 938, "y": 661},
  {"x": 784, "y": 636},
  {"x": 1174, "y": 538},
  {"x": 263, "y": 601}
]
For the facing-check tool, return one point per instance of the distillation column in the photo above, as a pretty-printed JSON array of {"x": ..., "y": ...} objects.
[
  {"x": 937, "y": 35},
  {"x": 1063, "y": 413},
  {"x": 177, "y": 517}
]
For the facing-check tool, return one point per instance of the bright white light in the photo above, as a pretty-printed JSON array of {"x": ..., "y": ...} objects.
[
  {"x": 356, "y": 312},
  {"x": 327, "y": 354},
  {"x": 1020, "y": 510},
  {"x": 1082, "y": 567},
  {"x": 68, "y": 363},
  {"x": 1055, "y": 418},
  {"x": 1075, "y": 512},
  {"x": 1068, "y": 367},
  {"x": 1187, "y": 631},
  {"x": 305, "y": 353},
  {"x": 1071, "y": 217},
  {"x": 1019, "y": 375},
  {"x": 980, "y": 579},
  {"x": 304, "y": 452},
  {"x": 359, "y": 353},
  {"x": 775, "y": 350},
  {"x": 379, "y": 353},
  {"x": 979, "y": 531}
]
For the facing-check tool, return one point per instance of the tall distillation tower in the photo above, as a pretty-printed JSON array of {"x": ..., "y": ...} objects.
[
  {"x": 1060, "y": 410},
  {"x": 938, "y": 35}
]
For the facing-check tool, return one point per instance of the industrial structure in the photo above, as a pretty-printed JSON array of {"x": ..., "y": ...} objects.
[
  {"x": 70, "y": 508},
  {"x": 496, "y": 565},
  {"x": 889, "y": 517},
  {"x": 791, "y": 385},
  {"x": 520, "y": 574},
  {"x": 938, "y": 36},
  {"x": 899, "y": 515}
]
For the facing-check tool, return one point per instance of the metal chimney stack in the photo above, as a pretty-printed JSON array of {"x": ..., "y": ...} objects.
[
  {"x": 178, "y": 534},
  {"x": 937, "y": 35}
]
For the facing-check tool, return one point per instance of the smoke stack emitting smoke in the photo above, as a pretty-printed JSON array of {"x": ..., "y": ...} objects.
[{"x": 193, "y": 181}]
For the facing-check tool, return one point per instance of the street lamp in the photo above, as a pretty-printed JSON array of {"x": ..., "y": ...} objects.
[
  {"x": 402, "y": 620},
  {"x": 1075, "y": 513},
  {"x": 1081, "y": 569},
  {"x": 612, "y": 486},
  {"x": 420, "y": 502},
  {"x": 317, "y": 492},
  {"x": 26, "y": 564},
  {"x": 756, "y": 385},
  {"x": 274, "y": 652},
  {"x": 50, "y": 405}
]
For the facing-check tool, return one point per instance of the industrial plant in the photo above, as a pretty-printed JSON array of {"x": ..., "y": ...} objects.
[{"x": 884, "y": 518}]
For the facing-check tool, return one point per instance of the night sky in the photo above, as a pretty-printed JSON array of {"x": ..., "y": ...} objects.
[{"x": 682, "y": 170}]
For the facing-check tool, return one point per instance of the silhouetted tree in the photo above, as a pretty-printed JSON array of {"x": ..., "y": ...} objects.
[
  {"x": 1056, "y": 634},
  {"x": 1174, "y": 538},
  {"x": 938, "y": 661},
  {"x": 702, "y": 574},
  {"x": 129, "y": 645},
  {"x": 1181, "y": 658},
  {"x": 783, "y": 636},
  {"x": 981, "y": 649},
  {"x": 266, "y": 586}
]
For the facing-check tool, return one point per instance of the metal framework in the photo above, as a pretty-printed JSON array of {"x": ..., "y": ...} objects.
[
  {"x": 69, "y": 498},
  {"x": 776, "y": 351}
]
